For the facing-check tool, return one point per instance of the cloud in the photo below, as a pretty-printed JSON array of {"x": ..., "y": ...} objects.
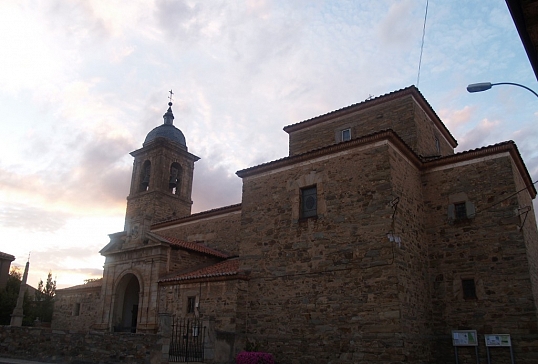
[
  {"x": 30, "y": 218},
  {"x": 119, "y": 54},
  {"x": 457, "y": 119},
  {"x": 397, "y": 28},
  {"x": 88, "y": 175},
  {"x": 214, "y": 187},
  {"x": 478, "y": 136}
]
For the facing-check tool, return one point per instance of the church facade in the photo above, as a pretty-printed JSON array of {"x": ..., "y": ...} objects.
[{"x": 371, "y": 242}]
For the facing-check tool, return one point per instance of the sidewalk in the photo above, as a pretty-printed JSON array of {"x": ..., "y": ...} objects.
[{"x": 19, "y": 361}]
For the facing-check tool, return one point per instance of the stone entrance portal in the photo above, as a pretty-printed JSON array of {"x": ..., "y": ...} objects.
[{"x": 126, "y": 307}]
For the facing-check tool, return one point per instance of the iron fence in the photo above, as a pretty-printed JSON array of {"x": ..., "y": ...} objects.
[{"x": 187, "y": 341}]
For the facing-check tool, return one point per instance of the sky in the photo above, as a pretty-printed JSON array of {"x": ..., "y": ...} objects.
[{"x": 83, "y": 81}]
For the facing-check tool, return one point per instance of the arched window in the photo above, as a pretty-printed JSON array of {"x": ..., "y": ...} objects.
[
  {"x": 174, "y": 183},
  {"x": 144, "y": 176}
]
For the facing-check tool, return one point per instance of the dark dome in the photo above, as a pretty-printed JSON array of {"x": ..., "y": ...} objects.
[{"x": 167, "y": 131}]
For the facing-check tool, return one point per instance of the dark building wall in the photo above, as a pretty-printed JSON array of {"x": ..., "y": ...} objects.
[
  {"x": 487, "y": 247},
  {"x": 5, "y": 263},
  {"x": 218, "y": 232},
  {"x": 181, "y": 260},
  {"x": 77, "y": 309},
  {"x": 324, "y": 288},
  {"x": 411, "y": 257},
  {"x": 403, "y": 115},
  {"x": 216, "y": 301}
]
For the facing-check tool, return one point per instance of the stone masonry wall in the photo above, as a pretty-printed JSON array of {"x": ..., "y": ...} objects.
[
  {"x": 217, "y": 303},
  {"x": 147, "y": 263},
  {"x": 65, "y": 315},
  {"x": 325, "y": 288},
  {"x": 403, "y": 115},
  {"x": 528, "y": 224},
  {"x": 218, "y": 232},
  {"x": 158, "y": 203},
  {"x": 427, "y": 132},
  {"x": 180, "y": 260},
  {"x": 56, "y": 346},
  {"x": 411, "y": 259},
  {"x": 488, "y": 248}
]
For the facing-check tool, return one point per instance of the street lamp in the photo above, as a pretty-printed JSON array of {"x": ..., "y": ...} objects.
[{"x": 483, "y": 86}]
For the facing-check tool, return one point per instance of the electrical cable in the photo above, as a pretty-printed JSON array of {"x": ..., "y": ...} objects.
[
  {"x": 504, "y": 199},
  {"x": 422, "y": 44}
]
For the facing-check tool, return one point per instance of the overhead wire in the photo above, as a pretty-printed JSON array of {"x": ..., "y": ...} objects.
[{"x": 422, "y": 43}]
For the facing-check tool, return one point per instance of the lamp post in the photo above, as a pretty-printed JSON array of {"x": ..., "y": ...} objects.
[{"x": 483, "y": 86}]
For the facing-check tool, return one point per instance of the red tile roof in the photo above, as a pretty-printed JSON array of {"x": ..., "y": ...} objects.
[
  {"x": 222, "y": 269},
  {"x": 189, "y": 245}
]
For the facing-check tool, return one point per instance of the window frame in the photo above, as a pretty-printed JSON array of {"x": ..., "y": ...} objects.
[
  {"x": 342, "y": 138},
  {"x": 306, "y": 212},
  {"x": 468, "y": 289},
  {"x": 76, "y": 309},
  {"x": 191, "y": 304},
  {"x": 461, "y": 207},
  {"x": 460, "y": 210}
]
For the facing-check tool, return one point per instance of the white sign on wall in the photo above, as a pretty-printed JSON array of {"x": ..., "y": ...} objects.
[
  {"x": 464, "y": 338},
  {"x": 498, "y": 340}
]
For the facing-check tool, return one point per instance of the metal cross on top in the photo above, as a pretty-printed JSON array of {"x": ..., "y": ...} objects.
[{"x": 171, "y": 93}]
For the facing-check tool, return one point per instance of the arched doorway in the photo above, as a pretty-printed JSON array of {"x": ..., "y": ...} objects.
[{"x": 126, "y": 307}]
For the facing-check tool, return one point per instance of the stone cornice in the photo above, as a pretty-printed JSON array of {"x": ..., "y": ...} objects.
[
  {"x": 403, "y": 148},
  {"x": 164, "y": 143},
  {"x": 508, "y": 146},
  {"x": 369, "y": 139}
]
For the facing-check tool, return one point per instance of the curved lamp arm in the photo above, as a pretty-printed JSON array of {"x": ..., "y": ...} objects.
[{"x": 483, "y": 86}]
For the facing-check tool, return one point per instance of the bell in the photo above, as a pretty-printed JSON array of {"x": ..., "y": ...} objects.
[{"x": 173, "y": 182}]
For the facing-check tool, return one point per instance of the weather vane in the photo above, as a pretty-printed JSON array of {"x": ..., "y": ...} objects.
[{"x": 171, "y": 93}]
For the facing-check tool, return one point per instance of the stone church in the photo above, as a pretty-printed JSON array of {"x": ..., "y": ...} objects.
[{"x": 371, "y": 242}]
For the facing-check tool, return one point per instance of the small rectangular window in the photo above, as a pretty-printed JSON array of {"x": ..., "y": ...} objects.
[
  {"x": 309, "y": 202},
  {"x": 191, "y": 304},
  {"x": 469, "y": 289},
  {"x": 346, "y": 135},
  {"x": 76, "y": 309},
  {"x": 460, "y": 210},
  {"x": 437, "y": 145}
]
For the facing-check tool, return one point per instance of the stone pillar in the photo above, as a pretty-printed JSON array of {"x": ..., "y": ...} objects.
[
  {"x": 165, "y": 330},
  {"x": 17, "y": 315}
]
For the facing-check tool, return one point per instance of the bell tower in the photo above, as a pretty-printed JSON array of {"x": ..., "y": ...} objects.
[{"x": 161, "y": 183}]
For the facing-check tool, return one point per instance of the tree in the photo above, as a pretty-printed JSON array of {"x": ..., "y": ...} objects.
[{"x": 44, "y": 299}]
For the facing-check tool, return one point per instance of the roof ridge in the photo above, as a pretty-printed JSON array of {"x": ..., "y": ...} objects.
[
  {"x": 336, "y": 146},
  {"x": 365, "y": 102},
  {"x": 410, "y": 90},
  {"x": 191, "y": 245},
  {"x": 197, "y": 214},
  {"x": 228, "y": 267}
]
